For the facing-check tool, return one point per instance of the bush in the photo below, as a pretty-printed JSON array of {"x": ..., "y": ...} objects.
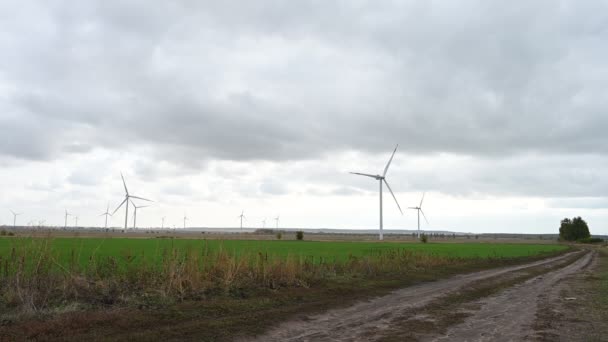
[
  {"x": 299, "y": 235},
  {"x": 279, "y": 236},
  {"x": 590, "y": 240},
  {"x": 424, "y": 238},
  {"x": 573, "y": 230},
  {"x": 2, "y": 232}
]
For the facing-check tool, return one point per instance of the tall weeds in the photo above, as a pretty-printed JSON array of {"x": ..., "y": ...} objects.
[{"x": 34, "y": 278}]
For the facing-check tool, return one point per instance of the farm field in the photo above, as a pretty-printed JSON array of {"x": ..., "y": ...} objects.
[
  {"x": 214, "y": 289},
  {"x": 83, "y": 249}
]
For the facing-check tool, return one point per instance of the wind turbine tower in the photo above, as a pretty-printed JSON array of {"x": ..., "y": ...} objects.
[
  {"x": 382, "y": 179},
  {"x": 277, "y": 220},
  {"x": 242, "y": 216},
  {"x": 185, "y": 219},
  {"x": 65, "y": 223},
  {"x": 128, "y": 198},
  {"x": 15, "y": 218},
  {"x": 106, "y": 214},
  {"x": 419, "y": 210},
  {"x": 135, "y": 213}
]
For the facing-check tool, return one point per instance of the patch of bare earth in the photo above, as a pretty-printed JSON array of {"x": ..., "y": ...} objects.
[
  {"x": 490, "y": 305},
  {"x": 576, "y": 308}
]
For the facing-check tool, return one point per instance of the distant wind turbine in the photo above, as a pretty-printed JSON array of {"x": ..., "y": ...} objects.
[
  {"x": 106, "y": 214},
  {"x": 15, "y": 218},
  {"x": 185, "y": 219},
  {"x": 419, "y": 209},
  {"x": 264, "y": 223},
  {"x": 162, "y": 225},
  {"x": 75, "y": 221},
  {"x": 126, "y": 201},
  {"x": 65, "y": 223},
  {"x": 381, "y": 179},
  {"x": 242, "y": 216},
  {"x": 135, "y": 213},
  {"x": 277, "y": 219}
]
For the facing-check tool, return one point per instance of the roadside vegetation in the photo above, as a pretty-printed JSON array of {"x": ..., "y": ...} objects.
[{"x": 40, "y": 278}]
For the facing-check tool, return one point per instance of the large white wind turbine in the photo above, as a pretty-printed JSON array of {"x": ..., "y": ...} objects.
[
  {"x": 15, "y": 218},
  {"x": 126, "y": 201},
  {"x": 106, "y": 214},
  {"x": 242, "y": 216},
  {"x": 419, "y": 210},
  {"x": 381, "y": 179},
  {"x": 135, "y": 213}
]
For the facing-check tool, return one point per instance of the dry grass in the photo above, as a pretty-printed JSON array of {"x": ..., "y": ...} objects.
[{"x": 33, "y": 279}]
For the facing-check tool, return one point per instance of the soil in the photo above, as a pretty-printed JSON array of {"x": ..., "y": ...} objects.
[{"x": 507, "y": 304}]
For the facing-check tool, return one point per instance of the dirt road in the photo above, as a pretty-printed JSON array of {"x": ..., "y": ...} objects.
[{"x": 492, "y": 305}]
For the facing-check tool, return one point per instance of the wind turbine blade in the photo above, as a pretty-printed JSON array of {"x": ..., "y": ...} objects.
[
  {"x": 395, "y": 198},
  {"x": 141, "y": 198},
  {"x": 12, "y": 212},
  {"x": 389, "y": 161},
  {"x": 422, "y": 212},
  {"x": 124, "y": 183},
  {"x": 363, "y": 174},
  {"x": 420, "y": 206},
  {"x": 412, "y": 208},
  {"x": 123, "y": 202}
]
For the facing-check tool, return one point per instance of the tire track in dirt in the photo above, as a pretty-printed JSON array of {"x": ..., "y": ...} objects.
[
  {"x": 371, "y": 319},
  {"x": 511, "y": 314}
]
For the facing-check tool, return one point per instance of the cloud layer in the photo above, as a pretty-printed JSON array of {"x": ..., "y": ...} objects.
[{"x": 485, "y": 98}]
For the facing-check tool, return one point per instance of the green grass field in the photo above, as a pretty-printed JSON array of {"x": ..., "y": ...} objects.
[{"x": 150, "y": 249}]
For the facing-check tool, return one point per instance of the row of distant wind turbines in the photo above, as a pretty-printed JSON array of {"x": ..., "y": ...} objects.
[{"x": 129, "y": 199}]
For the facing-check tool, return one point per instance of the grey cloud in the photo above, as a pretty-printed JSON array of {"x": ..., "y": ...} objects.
[
  {"x": 474, "y": 79},
  {"x": 193, "y": 82}
]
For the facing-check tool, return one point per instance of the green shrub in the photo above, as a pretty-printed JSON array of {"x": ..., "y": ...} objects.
[
  {"x": 2, "y": 232},
  {"x": 279, "y": 236},
  {"x": 299, "y": 235},
  {"x": 424, "y": 238}
]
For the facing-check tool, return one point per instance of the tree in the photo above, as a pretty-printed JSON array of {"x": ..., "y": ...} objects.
[
  {"x": 424, "y": 238},
  {"x": 299, "y": 235},
  {"x": 572, "y": 230}
]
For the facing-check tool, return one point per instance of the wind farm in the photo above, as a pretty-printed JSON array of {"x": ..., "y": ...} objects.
[{"x": 133, "y": 132}]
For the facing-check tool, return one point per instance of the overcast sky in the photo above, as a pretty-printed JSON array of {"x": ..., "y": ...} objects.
[{"x": 212, "y": 107}]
